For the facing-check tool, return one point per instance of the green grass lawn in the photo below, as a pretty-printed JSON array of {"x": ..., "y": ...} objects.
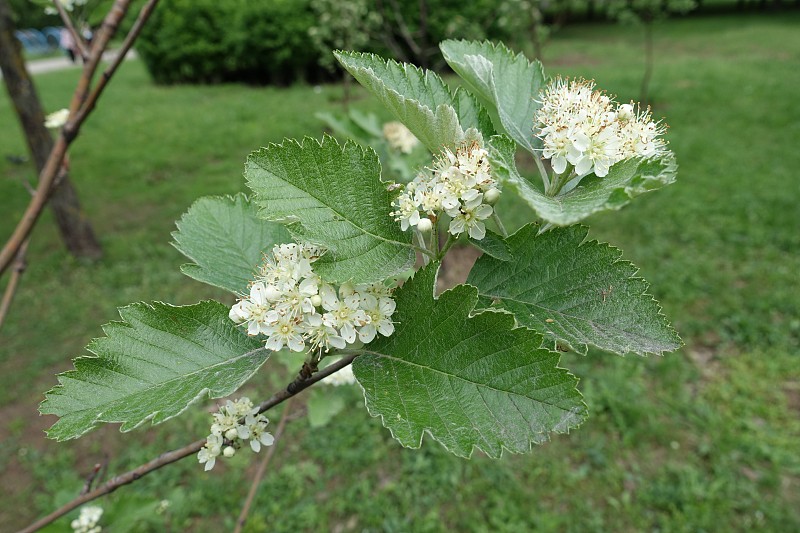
[{"x": 704, "y": 439}]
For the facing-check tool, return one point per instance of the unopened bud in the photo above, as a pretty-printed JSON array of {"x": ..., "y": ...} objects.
[
  {"x": 231, "y": 434},
  {"x": 424, "y": 225},
  {"x": 316, "y": 300},
  {"x": 491, "y": 196},
  {"x": 229, "y": 451}
]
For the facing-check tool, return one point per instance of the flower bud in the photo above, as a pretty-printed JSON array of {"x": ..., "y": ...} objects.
[
  {"x": 231, "y": 434},
  {"x": 491, "y": 196},
  {"x": 229, "y": 451},
  {"x": 424, "y": 225},
  {"x": 316, "y": 300}
]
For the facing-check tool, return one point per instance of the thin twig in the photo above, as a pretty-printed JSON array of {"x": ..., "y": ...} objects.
[
  {"x": 262, "y": 467},
  {"x": 175, "y": 455},
  {"x": 20, "y": 264},
  {"x": 76, "y": 36},
  {"x": 91, "y": 477}
]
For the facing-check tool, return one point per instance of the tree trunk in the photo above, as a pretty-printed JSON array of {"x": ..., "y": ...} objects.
[{"x": 76, "y": 231}]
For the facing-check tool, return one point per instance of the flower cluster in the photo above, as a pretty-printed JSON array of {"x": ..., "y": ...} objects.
[
  {"x": 344, "y": 376},
  {"x": 227, "y": 431},
  {"x": 69, "y": 5},
  {"x": 460, "y": 184},
  {"x": 87, "y": 521},
  {"x": 56, "y": 119},
  {"x": 399, "y": 137},
  {"x": 588, "y": 130},
  {"x": 290, "y": 304}
]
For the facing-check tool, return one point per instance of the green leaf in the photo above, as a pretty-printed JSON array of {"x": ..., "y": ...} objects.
[
  {"x": 469, "y": 381},
  {"x": 332, "y": 196},
  {"x": 153, "y": 365},
  {"x": 226, "y": 240},
  {"x": 493, "y": 245},
  {"x": 625, "y": 181},
  {"x": 419, "y": 99},
  {"x": 575, "y": 292},
  {"x": 507, "y": 81}
]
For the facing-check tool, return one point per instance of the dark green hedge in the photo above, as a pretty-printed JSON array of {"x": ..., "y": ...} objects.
[{"x": 210, "y": 41}]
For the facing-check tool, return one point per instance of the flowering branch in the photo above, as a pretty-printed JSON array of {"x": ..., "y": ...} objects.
[
  {"x": 83, "y": 101},
  {"x": 190, "y": 449},
  {"x": 262, "y": 467}
]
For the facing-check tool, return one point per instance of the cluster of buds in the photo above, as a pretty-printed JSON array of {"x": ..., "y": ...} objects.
[
  {"x": 460, "y": 184},
  {"x": 399, "y": 137},
  {"x": 293, "y": 307},
  {"x": 588, "y": 130},
  {"x": 87, "y": 521},
  {"x": 235, "y": 422}
]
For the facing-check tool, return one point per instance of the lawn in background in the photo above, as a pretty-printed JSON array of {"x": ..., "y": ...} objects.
[{"x": 704, "y": 439}]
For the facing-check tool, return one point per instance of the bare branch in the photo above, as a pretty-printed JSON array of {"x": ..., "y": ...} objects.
[
  {"x": 262, "y": 467},
  {"x": 82, "y": 103},
  {"x": 20, "y": 264},
  {"x": 76, "y": 36},
  {"x": 175, "y": 455}
]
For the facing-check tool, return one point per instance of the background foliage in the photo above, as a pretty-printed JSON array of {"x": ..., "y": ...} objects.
[{"x": 702, "y": 439}]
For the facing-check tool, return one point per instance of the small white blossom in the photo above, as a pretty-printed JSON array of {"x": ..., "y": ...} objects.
[
  {"x": 87, "y": 521},
  {"x": 582, "y": 127},
  {"x": 460, "y": 184},
  {"x": 56, "y": 119},
  {"x": 290, "y": 305},
  {"x": 399, "y": 137},
  {"x": 235, "y": 422}
]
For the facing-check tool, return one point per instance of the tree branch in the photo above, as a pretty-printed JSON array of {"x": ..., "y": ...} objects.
[
  {"x": 262, "y": 467},
  {"x": 20, "y": 264},
  {"x": 82, "y": 103},
  {"x": 175, "y": 455},
  {"x": 76, "y": 36}
]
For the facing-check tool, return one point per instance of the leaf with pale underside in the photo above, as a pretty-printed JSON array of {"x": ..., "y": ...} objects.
[
  {"x": 152, "y": 366},
  {"x": 625, "y": 180},
  {"x": 469, "y": 381},
  {"x": 227, "y": 240},
  {"x": 419, "y": 99},
  {"x": 508, "y": 82},
  {"x": 575, "y": 292},
  {"x": 331, "y": 195}
]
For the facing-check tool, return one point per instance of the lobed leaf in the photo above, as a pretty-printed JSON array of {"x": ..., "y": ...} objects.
[
  {"x": 508, "y": 82},
  {"x": 625, "y": 181},
  {"x": 153, "y": 365},
  {"x": 226, "y": 240},
  {"x": 469, "y": 381},
  {"x": 419, "y": 99},
  {"x": 575, "y": 292},
  {"x": 332, "y": 195}
]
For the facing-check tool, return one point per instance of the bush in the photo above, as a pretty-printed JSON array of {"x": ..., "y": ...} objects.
[{"x": 208, "y": 41}]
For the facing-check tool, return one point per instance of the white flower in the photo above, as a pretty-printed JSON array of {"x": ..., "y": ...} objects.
[
  {"x": 399, "y": 137},
  {"x": 344, "y": 376},
  {"x": 582, "y": 127},
  {"x": 471, "y": 219},
  {"x": 235, "y": 422},
  {"x": 254, "y": 310},
  {"x": 456, "y": 184},
  {"x": 379, "y": 311},
  {"x": 285, "y": 331},
  {"x": 57, "y": 119},
  {"x": 344, "y": 315},
  {"x": 88, "y": 519}
]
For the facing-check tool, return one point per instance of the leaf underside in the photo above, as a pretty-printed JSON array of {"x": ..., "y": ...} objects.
[
  {"x": 153, "y": 365},
  {"x": 470, "y": 382},
  {"x": 331, "y": 195},
  {"x": 575, "y": 292},
  {"x": 507, "y": 81},
  {"x": 226, "y": 239},
  {"x": 625, "y": 181},
  {"x": 419, "y": 99}
]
